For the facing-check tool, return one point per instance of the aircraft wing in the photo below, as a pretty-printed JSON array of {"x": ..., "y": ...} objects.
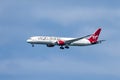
[{"x": 73, "y": 40}]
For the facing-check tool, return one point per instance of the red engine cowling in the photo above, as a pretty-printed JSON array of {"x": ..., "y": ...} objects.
[{"x": 61, "y": 42}]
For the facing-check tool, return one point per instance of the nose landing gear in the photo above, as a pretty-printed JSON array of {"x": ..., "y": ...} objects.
[{"x": 32, "y": 45}]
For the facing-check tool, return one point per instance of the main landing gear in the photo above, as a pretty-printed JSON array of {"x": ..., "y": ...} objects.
[
  {"x": 67, "y": 47},
  {"x": 61, "y": 47}
]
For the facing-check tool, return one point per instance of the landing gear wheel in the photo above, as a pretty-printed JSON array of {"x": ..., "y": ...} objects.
[
  {"x": 61, "y": 47},
  {"x": 66, "y": 47}
]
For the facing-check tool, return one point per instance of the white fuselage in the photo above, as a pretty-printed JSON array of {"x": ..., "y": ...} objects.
[{"x": 52, "y": 40}]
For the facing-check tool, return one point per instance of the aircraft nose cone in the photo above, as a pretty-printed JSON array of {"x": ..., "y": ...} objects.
[{"x": 28, "y": 41}]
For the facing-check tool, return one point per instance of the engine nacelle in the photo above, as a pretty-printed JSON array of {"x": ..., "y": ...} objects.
[{"x": 50, "y": 45}]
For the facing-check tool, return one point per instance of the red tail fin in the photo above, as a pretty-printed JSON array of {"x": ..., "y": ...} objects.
[{"x": 94, "y": 37}]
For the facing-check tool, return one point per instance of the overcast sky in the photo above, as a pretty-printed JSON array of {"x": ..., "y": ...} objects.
[{"x": 21, "y": 19}]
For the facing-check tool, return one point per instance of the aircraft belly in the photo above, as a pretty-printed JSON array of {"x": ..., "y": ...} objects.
[
  {"x": 82, "y": 42},
  {"x": 43, "y": 42}
]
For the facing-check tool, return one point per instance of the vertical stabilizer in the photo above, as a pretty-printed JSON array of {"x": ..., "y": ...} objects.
[{"x": 94, "y": 37}]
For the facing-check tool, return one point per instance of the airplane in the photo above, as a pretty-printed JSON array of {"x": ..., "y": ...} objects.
[{"x": 64, "y": 42}]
